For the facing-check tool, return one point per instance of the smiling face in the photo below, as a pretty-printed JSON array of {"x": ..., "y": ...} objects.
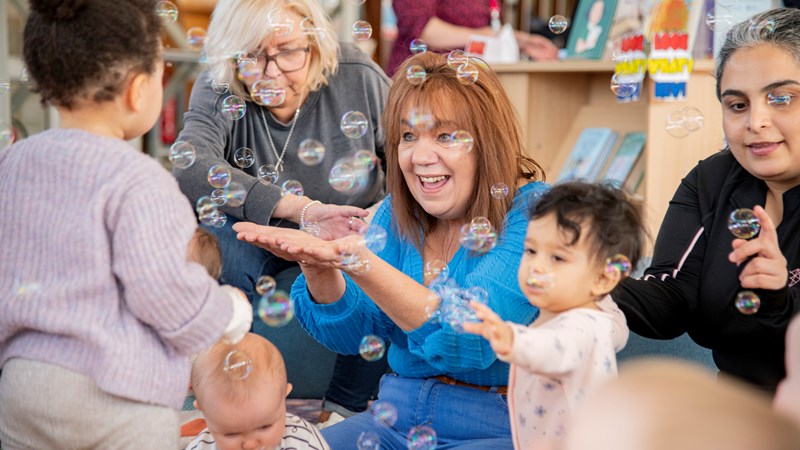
[
  {"x": 576, "y": 278},
  {"x": 440, "y": 176},
  {"x": 256, "y": 422},
  {"x": 760, "y": 95}
]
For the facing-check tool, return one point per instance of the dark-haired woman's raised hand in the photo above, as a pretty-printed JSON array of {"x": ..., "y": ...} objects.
[{"x": 767, "y": 268}]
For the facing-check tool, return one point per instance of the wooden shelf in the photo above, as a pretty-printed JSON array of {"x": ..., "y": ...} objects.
[{"x": 556, "y": 100}]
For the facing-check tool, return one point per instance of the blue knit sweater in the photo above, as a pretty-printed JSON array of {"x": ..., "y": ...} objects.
[{"x": 432, "y": 349}]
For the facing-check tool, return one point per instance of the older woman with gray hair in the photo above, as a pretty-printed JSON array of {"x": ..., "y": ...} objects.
[
  {"x": 283, "y": 108},
  {"x": 736, "y": 293}
]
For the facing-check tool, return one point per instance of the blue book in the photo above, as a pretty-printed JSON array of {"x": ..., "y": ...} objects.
[
  {"x": 590, "y": 28},
  {"x": 589, "y": 154},
  {"x": 629, "y": 151}
]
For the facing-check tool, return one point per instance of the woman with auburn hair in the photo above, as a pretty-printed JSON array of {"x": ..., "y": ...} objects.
[
  {"x": 279, "y": 79},
  {"x": 439, "y": 183}
]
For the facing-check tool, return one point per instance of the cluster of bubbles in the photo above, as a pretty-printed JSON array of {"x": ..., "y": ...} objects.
[
  {"x": 744, "y": 224},
  {"x": 238, "y": 364},
  {"x": 479, "y": 235},
  {"x": 371, "y": 347},
  {"x": 421, "y": 437},
  {"x": 208, "y": 212},
  {"x": 685, "y": 121},
  {"x": 373, "y": 237},
  {"x": 449, "y": 303},
  {"x": 558, "y": 24}
]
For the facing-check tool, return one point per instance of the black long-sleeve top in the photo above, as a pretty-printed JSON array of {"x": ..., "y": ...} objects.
[{"x": 691, "y": 285}]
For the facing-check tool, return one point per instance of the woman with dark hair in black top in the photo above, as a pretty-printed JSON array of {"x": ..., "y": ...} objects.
[{"x": 698, "y": 266}]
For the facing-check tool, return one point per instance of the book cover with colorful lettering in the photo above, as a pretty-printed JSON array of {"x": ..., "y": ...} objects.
[
  {"x": 589, "y": 154},
  {"x": 590, "y": 28}
]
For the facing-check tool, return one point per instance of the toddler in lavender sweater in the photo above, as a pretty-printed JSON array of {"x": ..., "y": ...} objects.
[{"x": 99, "y": 307}]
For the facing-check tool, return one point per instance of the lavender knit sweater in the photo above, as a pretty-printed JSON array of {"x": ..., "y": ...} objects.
[{"x": 93, "y": 270}]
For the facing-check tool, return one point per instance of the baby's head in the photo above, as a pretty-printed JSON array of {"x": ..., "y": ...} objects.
[
  {"x": 242, "y": 412},
  {"x": 85, "y": 53},
  {"x": 668, "y": 405},
  {"x": 204, "y": 250},
  {"x": 574, "y": 229}
]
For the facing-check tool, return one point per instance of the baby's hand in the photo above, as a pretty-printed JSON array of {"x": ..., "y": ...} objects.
[
  {"x": 242, "y": 316},
  {"x": 492, "y": 328}
]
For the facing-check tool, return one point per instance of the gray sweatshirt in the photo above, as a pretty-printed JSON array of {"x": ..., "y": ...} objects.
[{"x": 358, "y": 85}]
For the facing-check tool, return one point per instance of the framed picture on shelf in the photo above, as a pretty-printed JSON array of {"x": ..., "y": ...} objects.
[{"x": 590, "y": 28}]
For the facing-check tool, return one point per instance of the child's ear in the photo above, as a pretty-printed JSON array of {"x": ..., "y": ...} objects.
[
  {"x": 197, "y": 405},
  {"x": 606, "y": 280},
  {"x": 288, "y": 388},
  {"x": 134, "y": 99}
]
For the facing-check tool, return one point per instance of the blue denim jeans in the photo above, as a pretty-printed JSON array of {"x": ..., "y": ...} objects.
[
  {"x": 354, "y": 379},
  {"x": 463, "y": 417}
]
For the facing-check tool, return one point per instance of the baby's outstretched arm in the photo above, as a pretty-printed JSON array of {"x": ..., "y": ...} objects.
[{"x": 492, "y": 328}]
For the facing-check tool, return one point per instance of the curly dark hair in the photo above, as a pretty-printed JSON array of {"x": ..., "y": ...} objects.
[
  {"x": 614, "y": 220},
  {"x": 86, "y": 49}
]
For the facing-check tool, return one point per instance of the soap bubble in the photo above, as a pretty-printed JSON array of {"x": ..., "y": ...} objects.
[
  {"x": 281, "y": 22},
  {"x": 167, "y": 11},
  {"x": 719, "y": 19},
  {"x": 6, "y": 135},
  {"x": 467, "y": 73},
  {"x": 620, "y": 263},
  {"x": 342, "y": 176},
  {"x": 416, "y": 75},
  {"x": 371, "y": 348},
  {"x": 778, "y": 100},
  {"x": 499, "y": 190},
  {"x": 267, "y": 174},
  {"x": 218, "y": 197},
  {"x": 233, "y": 107},
  {"x": 311, "y": 228},
  {"x": 268, "y": 92},
  {"x": 362, "y": 30},
  {"x": 384, "y": 413},
  {"x": 461, "y": 140},
  {"x": 265, "y": 285},
  {"x": 365, "y": 159},
  {"x": 311, "y": 152},
  {"x": 375, "y": 237},
  {"x": 205, "y": 205},
  {"x": 238, "y": 364},
  {"x": 541, "y": 281},
  {"x": 693, "y": 118},
  {"x": 219, "y": 87},
  {"x": 310, "y": 29},
  {"x": 558, "y": 24},
  {"x": 235, "y": 194},
  {"x": 418, "y": 46},
  {"x": 368, "y": 440},
  {"x": 456, "y": 59},
  {"x": 196, "y": 37},
  {"x": 623, "y": 85},
  {"x": 422, "y": 437},
  {"x": 292, "y": 187},
  {"x": 420, "y": 119},
  {"x": 744, "y": 224},
  {"x": 181, "y": 154},
  {"x": 244, "y": 157},
  {"x": 276, "y": 310},
  {"x": 676, "y": 125},
  {"x": 219, "y": 175},
  {"x": 354, "y": 124},
  {"x": 747, "y": 302},
  {"x": 436, "y": 269},
  {"x": 764, "y": 28}
]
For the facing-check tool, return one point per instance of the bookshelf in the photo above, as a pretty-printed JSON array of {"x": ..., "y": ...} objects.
[{"x": 556, "y": 100}]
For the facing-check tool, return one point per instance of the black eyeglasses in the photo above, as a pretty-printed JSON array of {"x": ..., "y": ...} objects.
[{"x": 287, "y": 60}]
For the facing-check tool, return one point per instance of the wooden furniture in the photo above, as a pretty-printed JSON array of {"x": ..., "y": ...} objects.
[{"x": 556, "y": 100}]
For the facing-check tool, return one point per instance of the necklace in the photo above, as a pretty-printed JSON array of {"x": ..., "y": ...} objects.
[{"x": 279, "y": 164}]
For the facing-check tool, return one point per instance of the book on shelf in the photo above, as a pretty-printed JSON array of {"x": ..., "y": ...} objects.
[
  {"x": 636, "y": 178},
  {"x": 590, "y": 28},
  {"x": 627, "y": 21},
  {"x": 589, "y": 154},
  {"x": 625, "y": 158}
]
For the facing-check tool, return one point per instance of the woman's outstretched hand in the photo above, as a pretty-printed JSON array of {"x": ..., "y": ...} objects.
[
  {"x": 336, "y": 221},
  {"x": 767, "y": 269},
  {"x": 295, "y": 245}
]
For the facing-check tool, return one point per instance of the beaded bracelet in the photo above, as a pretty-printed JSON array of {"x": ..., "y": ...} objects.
[{"x": 305, "y": 208}]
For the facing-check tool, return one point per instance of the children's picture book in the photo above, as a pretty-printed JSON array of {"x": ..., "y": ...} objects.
[
  {"x": 626, "y": 156},
  {"x": 627, "y": 21},
  {"x": 589, "y": 154},
  {"x": 590, "y": 28},
  {"x": 636, "y": 177}
]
